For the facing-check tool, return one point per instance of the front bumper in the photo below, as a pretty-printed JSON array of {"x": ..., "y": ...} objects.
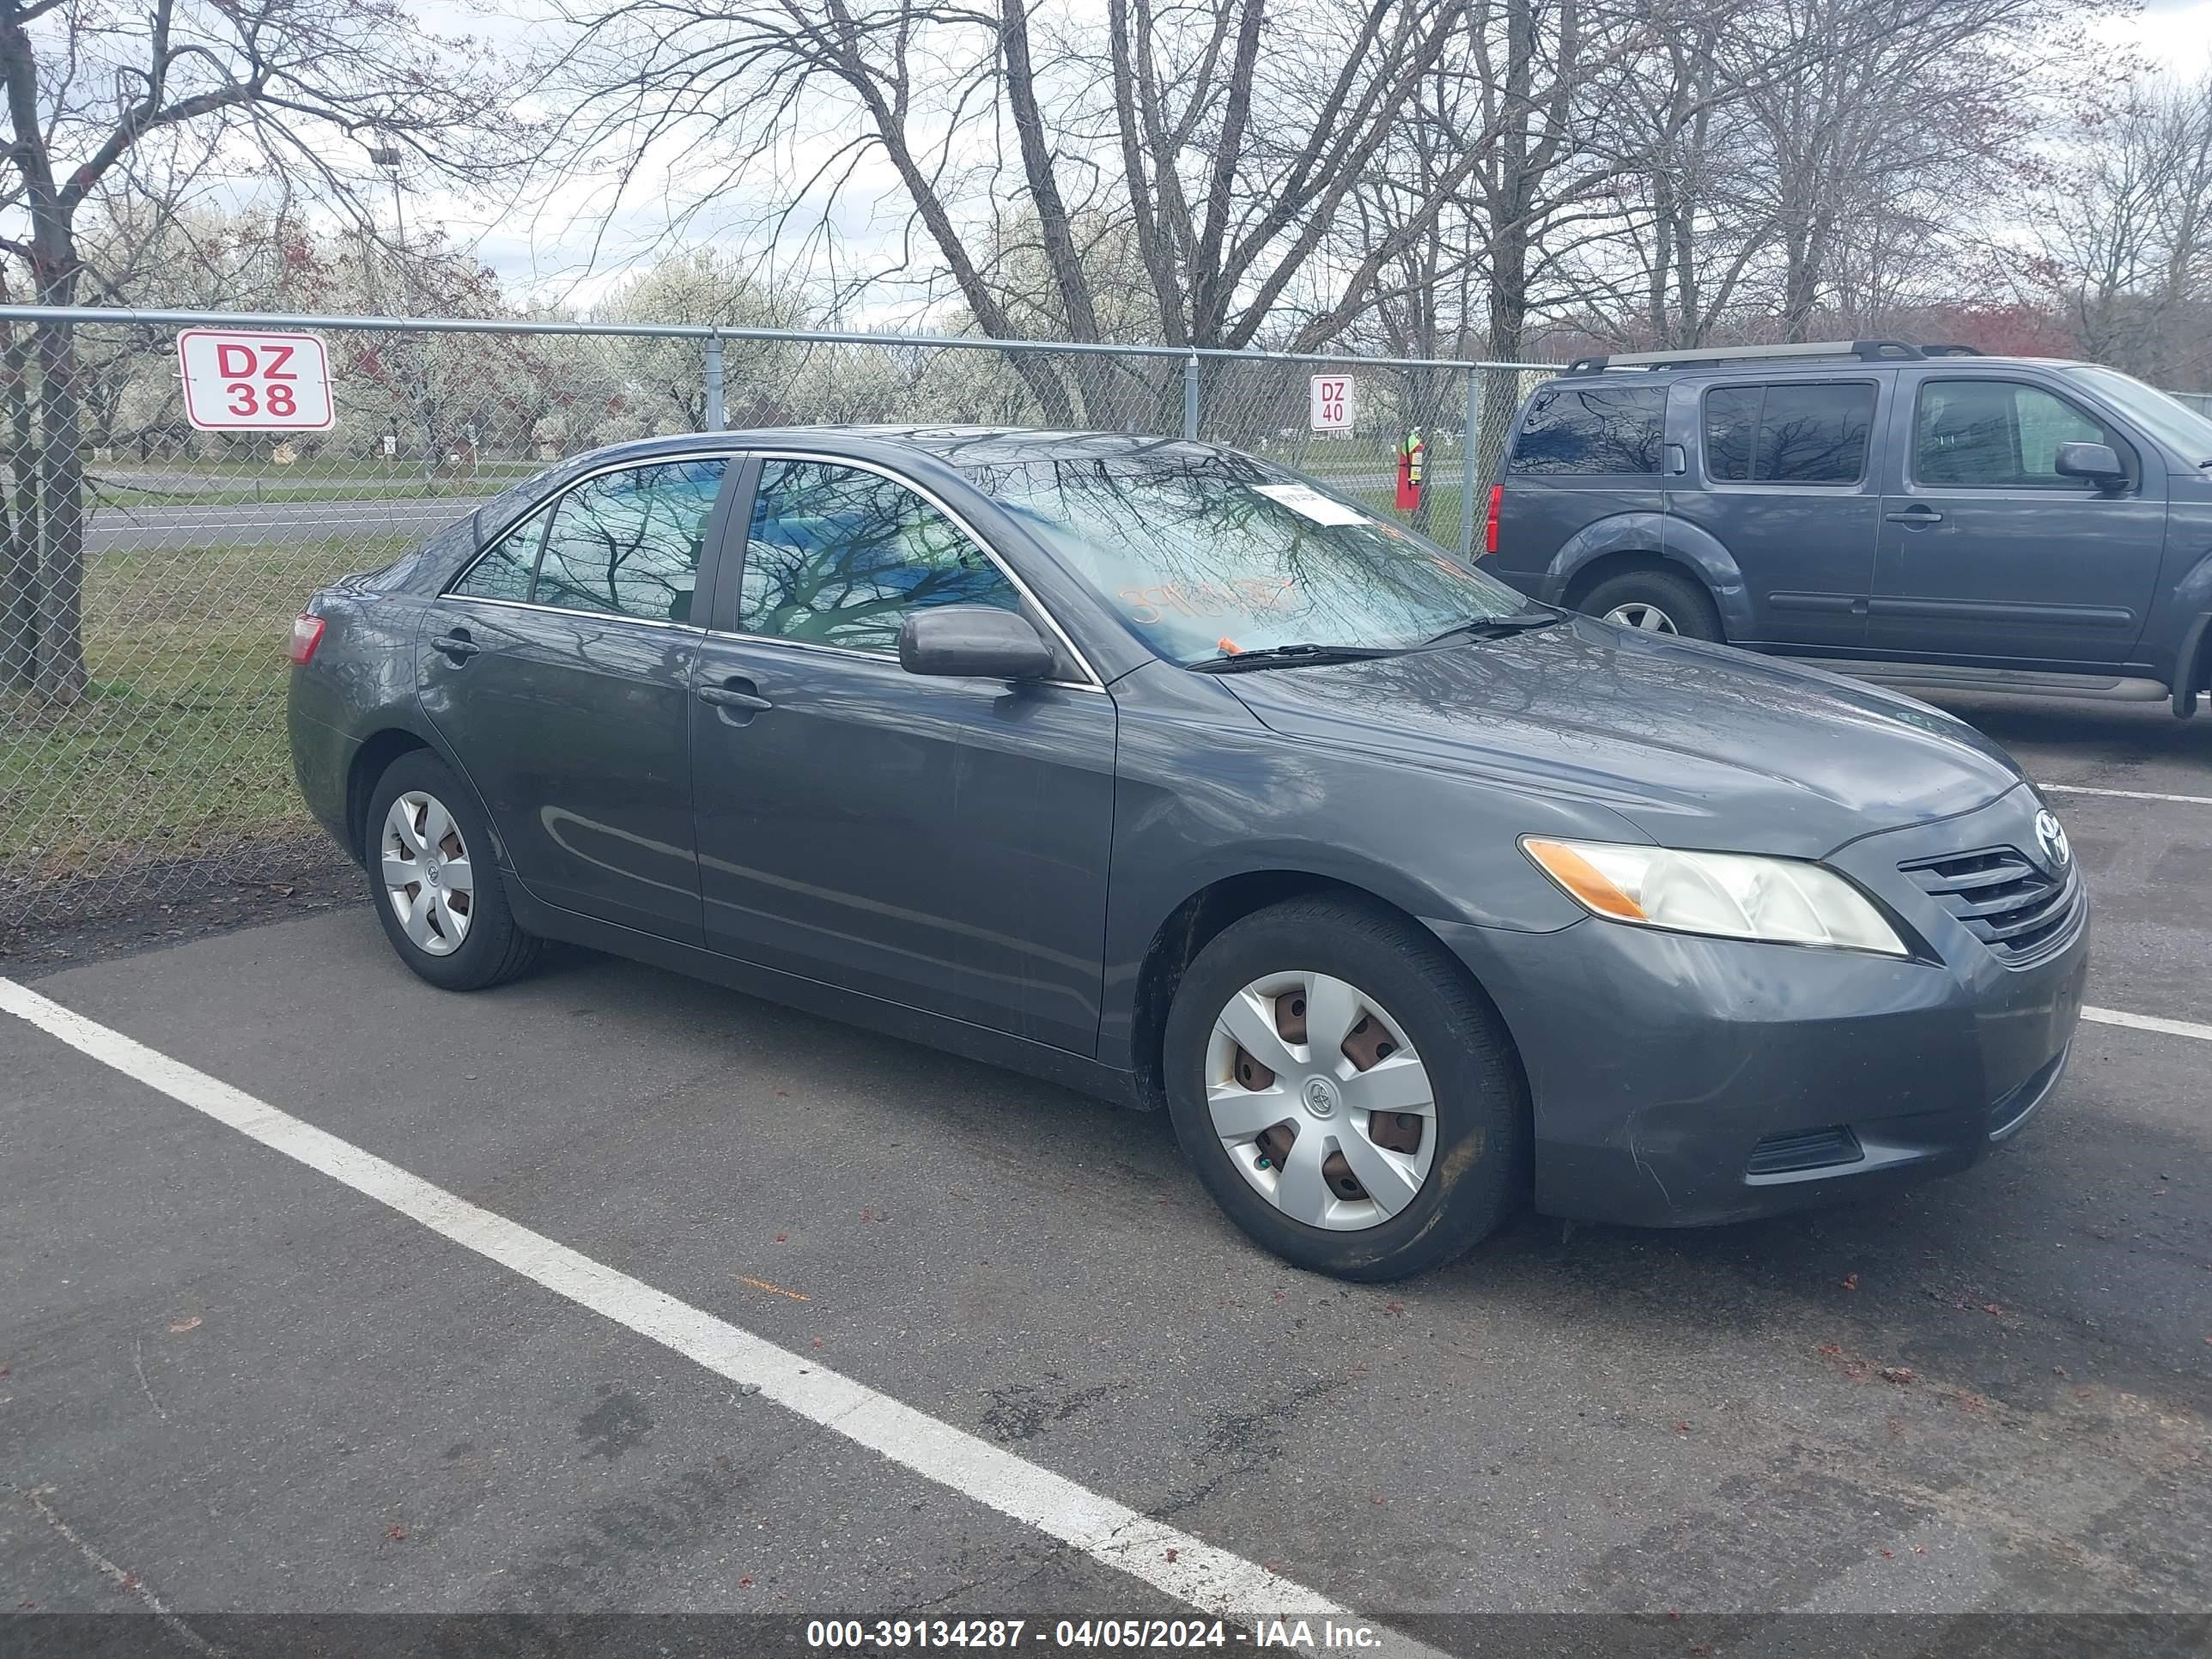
[{"x": 1681, "y": 1080}]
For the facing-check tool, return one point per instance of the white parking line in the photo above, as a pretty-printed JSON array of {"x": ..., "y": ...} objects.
[
  {"x": 2123, "y": 794},
  {"x": 2188, "y": 1028},
  {"x": 1187, "y": 1568}
]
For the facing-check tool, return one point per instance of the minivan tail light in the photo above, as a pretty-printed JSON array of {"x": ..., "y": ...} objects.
[
  {"x": 306, "y": 635},
  {"x": 1490, "y": 527}
]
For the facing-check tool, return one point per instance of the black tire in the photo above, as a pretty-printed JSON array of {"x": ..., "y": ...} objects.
[
  {"x": 1478, "y": 1174},
  {"x": 493, "y": 949},
  {"x": 1679, "y": 598}
]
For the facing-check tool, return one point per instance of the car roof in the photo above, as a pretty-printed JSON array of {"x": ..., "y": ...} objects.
[
  {"x": 1724, "y": 367},
  {"x": 953, "y": 446}
]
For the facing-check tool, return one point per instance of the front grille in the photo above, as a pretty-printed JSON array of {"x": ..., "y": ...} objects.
[
  {"x": 1807, "y": 1149},
  {"x": 2011, "y": 903}
]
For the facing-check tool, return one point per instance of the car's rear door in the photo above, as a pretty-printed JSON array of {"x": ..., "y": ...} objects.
[
  {"x": 942, "y": 844},
  {"x": 1987, "y": 550},
  {"x": 559, "y": 668},
  {"x": 1788, "y": 489}
]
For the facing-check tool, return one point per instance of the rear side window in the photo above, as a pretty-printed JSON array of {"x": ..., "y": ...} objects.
[
  {"x": 628, "y": 542},
  {"x": 503, "y": 570},
  {"x": 1789, "y": 433},
  {"x": 1591, "y": 429}
]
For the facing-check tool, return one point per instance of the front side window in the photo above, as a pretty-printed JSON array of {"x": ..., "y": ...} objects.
[
  {"x": 1208, "y": 554},
  {"x": 2000, "y": 435},
  {"x": 1789, "y": 433},
  {"x": 837, "y": 555},
  {"x": 628, "y": 543},
  {"x": 1591, "y": 429}
]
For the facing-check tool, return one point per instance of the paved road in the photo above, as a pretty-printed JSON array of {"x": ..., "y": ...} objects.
[
  {"x": 270, "y": 523},
  {"x": 244, "y": 1385}
]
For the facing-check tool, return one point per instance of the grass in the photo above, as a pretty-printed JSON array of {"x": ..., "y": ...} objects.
[
  {"x": 233, "y": 483},
  {"x": 179, "y": 748}
]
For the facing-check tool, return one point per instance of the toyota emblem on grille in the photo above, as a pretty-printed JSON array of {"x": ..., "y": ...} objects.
[{"x": 2052, "y": 835}]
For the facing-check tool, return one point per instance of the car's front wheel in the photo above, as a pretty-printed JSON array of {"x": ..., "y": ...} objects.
[
  {"x": 1345, "y": 1091},
  {"x": 433, "y": 880}
]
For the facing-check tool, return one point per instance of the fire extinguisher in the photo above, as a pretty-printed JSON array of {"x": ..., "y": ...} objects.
[{"x": 1413, "y": 468}]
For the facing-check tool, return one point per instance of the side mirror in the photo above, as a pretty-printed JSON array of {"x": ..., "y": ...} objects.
[
  {"x": 973, "y": 642},
  {"x": 2099, "y": 462}
]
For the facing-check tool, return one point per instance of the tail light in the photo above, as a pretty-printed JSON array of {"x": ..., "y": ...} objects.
[
  {"x": 1490, "y": 525},
  {"x": 306, "y": 635}
]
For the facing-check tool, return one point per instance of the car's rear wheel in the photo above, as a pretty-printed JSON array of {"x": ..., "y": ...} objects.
[
  {"x": 433, "y": 880},
  {"x": 1345, "y": 1091},
  {"x": 1655, "y": 602}
]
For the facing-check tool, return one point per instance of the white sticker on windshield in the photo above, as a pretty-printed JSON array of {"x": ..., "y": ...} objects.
[{"x": 1309, "y": 502}]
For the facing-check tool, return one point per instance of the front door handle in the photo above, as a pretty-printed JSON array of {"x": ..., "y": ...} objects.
[
  {"x": 457, "y": 645},
  {"x": 1916, "y": 514},
  {"x": 737, "y": 698}
]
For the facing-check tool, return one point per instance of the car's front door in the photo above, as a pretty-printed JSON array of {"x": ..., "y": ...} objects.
[
  {"x": 1987, "y": 549},
  {"x": 559, "y": 668},
  {"x": 939, "y": 842},
  {"x": 1790, "y": 493}
]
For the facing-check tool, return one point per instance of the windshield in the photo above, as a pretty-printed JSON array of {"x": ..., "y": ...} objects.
[
  {"x": 2173, "y": 423},
  {"x": 1210, "y": 554}
]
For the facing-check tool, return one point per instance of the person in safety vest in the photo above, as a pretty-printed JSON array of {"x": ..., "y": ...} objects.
[{"x": 1413, "y": 467}]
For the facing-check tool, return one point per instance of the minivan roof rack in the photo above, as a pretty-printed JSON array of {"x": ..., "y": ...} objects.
[{"x": 1869, "y": 351}]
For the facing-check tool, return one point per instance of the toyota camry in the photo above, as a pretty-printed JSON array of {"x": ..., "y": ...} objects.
[{"x": 1153, "y": 769}]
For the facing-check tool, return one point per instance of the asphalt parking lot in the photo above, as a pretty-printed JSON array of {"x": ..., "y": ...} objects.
[{"x": 239, "y": 1374}]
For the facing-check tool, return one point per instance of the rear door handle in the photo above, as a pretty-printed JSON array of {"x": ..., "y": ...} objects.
[
  {"x": 1915, "y": 514},
  {"x": 457, "y": 645}
]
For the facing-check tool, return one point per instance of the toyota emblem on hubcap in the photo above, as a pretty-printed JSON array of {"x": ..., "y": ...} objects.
[
  {"x": 2052, "y": 835},
  {"x": 1321, "y": 1096},
  {"x": 430, "y": 869}
]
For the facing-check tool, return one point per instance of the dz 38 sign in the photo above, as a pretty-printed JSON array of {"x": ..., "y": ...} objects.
[{"x": 237, "y": 381}]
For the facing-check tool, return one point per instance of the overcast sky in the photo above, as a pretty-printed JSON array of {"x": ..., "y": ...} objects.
[{"x": 569, "y": 249}]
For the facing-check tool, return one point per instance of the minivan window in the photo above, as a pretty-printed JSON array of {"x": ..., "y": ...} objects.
[
  {"x": 1790, "y": 432},
  {"x": 2000, "y": 435},
  {"x": 628, "y": 542},
  {"x": 1591, "y": 429}
]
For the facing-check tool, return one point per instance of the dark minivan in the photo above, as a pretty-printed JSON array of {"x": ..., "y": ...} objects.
[{"x": 1920, "y": 515}]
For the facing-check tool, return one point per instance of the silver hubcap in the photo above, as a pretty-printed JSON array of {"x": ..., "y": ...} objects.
[
  {"x": 428, "y": 878},
  {"x": 1320, "y": 1101},
  {"x": 1649, "y": 618}
]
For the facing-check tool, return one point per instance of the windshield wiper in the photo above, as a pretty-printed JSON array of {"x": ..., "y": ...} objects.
[
  {"x": 1292, "y": 656},
  {"x": 1493, "y": 627}
]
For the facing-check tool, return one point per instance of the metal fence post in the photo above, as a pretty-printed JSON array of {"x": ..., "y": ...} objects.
[
  {"x": 714, "y": 418},
  {"x": 1470, "y": 464},
  {"x": 1190, "y": 396}
]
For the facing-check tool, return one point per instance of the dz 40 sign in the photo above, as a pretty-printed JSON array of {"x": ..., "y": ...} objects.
[
  {"x": 236, "y": 381},
  {"x": 1332, "y": 403}
]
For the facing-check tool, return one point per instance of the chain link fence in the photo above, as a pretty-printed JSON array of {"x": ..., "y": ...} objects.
[{"x": 149, "y": 571}]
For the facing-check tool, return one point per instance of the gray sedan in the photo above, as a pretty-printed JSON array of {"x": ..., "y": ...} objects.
[{"x": 1153, "y": 769}]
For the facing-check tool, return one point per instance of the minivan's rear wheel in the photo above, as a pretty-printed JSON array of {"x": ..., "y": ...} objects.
[
  {"x": 1655, "y": 602},
  {"x": 433, "y": 880},
  {"x": 1344, "y": 1091}
]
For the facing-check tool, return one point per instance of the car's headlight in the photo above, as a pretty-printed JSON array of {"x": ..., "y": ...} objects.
[{"x": 1784, "y": 901}]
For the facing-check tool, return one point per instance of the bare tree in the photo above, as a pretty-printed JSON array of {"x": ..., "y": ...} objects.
[
  {"x": 2123, "y": 240},
  {"x": 94, "y": 88}
]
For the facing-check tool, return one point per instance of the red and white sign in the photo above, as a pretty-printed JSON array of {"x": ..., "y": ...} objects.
[
  {"x": 237, "y": 381},
  {"x": 1332, "y": 403}
]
